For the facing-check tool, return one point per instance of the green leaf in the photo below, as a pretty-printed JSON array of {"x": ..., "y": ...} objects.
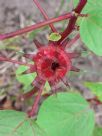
[
  {"x": 97, "y": 131},
  {"x": 91, "y": 31},
  {"x": 91, "y": 26},
  {"x": 54, "y": 37},
  {"x": 66, "y": 114},
  {"x": 91, "y": 5},
  {"x": 25, "y": 79},
  {"x": 96, "y": 89},
  {"x": 21, "y": 69},
  {"x": 13, "y": 123}
]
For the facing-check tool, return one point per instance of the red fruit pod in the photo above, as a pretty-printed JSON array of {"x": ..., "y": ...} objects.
[{"x": 52, "y": 63}]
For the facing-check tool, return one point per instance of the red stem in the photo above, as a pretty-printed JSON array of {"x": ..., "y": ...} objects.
[
  {"x": 36, "y": 26},
  {"x": 73, "y": 19},
  {"x": 72, "y": 41},
  {"x": 37, "y": 99},
  {"x": 80, "y": 6},
  {"x": 44, "y": 14},
  {"x": 38, "y": 44},
  {"x": 95, "y": 99},
  {"x": 13, "y": 61},
  {"x": 29, "y": 94}
]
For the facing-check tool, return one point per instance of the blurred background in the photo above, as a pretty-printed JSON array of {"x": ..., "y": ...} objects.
[{"x": 16, "y": 14}]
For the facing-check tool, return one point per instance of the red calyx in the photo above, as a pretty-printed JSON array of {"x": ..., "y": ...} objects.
[{"x": 52, "y": 63}]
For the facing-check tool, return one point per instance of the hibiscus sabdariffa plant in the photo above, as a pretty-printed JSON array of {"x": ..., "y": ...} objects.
[{"x": 51, "y": 62}]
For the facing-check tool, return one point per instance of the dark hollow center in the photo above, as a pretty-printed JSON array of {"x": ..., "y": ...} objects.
[{"x": 54, "y": 66}]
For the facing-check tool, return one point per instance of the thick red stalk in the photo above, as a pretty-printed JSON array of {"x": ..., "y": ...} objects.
[
  {"x": 73, "y": 19},
  {"x": 37, "y": 99},
  {"x": 44, "y": 14},
  {"x": 36, "y": 26},
  {"x": 80, "y": 6}
]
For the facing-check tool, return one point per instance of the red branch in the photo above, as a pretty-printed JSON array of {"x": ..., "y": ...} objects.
[
  {"x": 73, "y": 19},
  {"x": 67, "y": 31},
  {"x": 72, "y": 41},
  {"x": 13, "y": 61},
  {"x": 29, "y": 94},
  {"x": 37, "y": 99},
  {"x": 44, "y": 14},
  {"x": 36, "y": 26}
]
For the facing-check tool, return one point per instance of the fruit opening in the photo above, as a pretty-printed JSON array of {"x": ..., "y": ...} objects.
[{"x": 54, "y": 66}]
